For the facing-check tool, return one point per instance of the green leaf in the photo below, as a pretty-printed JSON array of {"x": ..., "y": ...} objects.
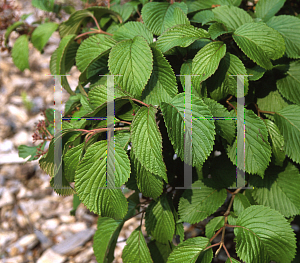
[
  {"x": 159, "y": 220},
  {"x": 240, "y": 203},
  {"x": 76, "y": 203},
  {"x": 288, "y": 122},
  {"x": 257, "y": 147},
  {"x": 46, "y": 5},
  {"x": 133, "y": 60},
  {"x": 41, "y": 35},
  {"x": 217, "y": 29},
  {"x": 260, "y": 43},
  {"x": 25, "y": 151},
  {"x": 279, "y": 189},
  {"x": 265, "y": 9},
  {"x": 232, "y": 260},
  {"x": 160, "y": 252},
  {"x": 123, "y": 138},
  {"x": 104, "y": 236},
  {"x": 162, "y": 86},
  {"x": 71, "y": 160},
  {"x": 231, "y": 16},
  {"x": 136, "y": 249},
  {"x": 124, "y": 10},
  {"x": 90, "y": 181},
  {"x": 61, "y": 186},
  {"x": 157, "y": 16},
  {"x": 213, "y": 225},
  {"x": 180, "y": 35},
  {"x": 256, "y": 71},
  {"x": 203, "y": 17},
  {"x": 264, "y": 235},
  {"x": 203, "y": 129},
  {"x": 207, "y": 60},
  {"x": 179, "y": 18},
  {"x": 91, "y": 49},
  {"x": 132, "y": 29},
  {"x": 277, "y": 142},
  {"x": 10, "y": 29},
  {"x": 147, "y": 141},
  {"x": 20, "y": 53},
  {"x": 289, "y": 85},
  {"x": 191, "y": 250},
  {"x": 197, "y": 204},
  {"x": 290, "y": 34}
]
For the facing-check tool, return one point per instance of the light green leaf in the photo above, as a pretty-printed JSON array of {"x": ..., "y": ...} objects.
[
  {"x": 264, "y": 235},
  {"x": 217, "y": 29},
  {"x": 288, "y": 122},
  {"x": 25, "y": 151},
  {"x": 159, "y": 220},
  {"x": 10, "y": 29},
  {"x": 279, "y": 189},
  {"x": 203, "y": 129},
  {"x": 290, "y": 33},
  {"x": 257, "y": 147},
  {"x": 124, "y": 10},
  {"x": 147, "y": 141},
  {"x": 260, "y": 43},
  {"x": 61, "y": 186},
  {"x": 132, "y": 29},
  {"x": 162, "y": 86},
  {"x": 207, "y": 4},
  {"x": 207, "y": 60},
  {"x": 123, "y": 139},
  {"x": 231, "y": 16},
  {"x": 197, "y": 204},
  {"x": 179, "y": 18},
  {"x": 90, "y": 181},
  {"x": 289, "y": 85},
  {"x": 71, "y": 160},
  {"x": 277, "y": 142},
  {"x": 136, "y": 249},
  {"x": 240, "y": 203},
  {"x": 20, "y": 53},
  {"x": 213, "y": 225},
  {"x": 156, "y": 15},
  {"x": 46, "y": 5},
  {"x": 203, "y": 17},
  {"x": 265, "y": 9},
  {"x": 180, "y": 35},
  {"x": 191, "y": 251},
  {"x": 41, "y": 35},
  {"x": 133, "y": 60}
]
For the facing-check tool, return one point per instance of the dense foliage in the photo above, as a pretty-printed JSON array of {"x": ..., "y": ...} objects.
[{"x": 149, "y": 44}]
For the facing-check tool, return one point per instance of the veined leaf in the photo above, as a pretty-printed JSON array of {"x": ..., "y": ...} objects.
[
  {"x": 289, "y": 86},
  {"x": 257, "y": 72},
  {"x": 124, "y": 10},
  {"x": 133, "y": 60},
  {"x": 90, "y": 181},
  {"x": 159, "y": 220},
  {"x": 288, "y": 122},
  {"x": 240, "y": 203},
  {"x": 260, "y": 43},
  {"x": 136, "y": 249},
  {"x": 290, "y": 33},
  {"x": 180, "y": 35},
  {"x": 41, "y": 35},
  {"x": 191, "y": 250},
  {"x": 217, "y": 29},
  {"x": 179, "y": 18},
  {"x": 197, "y": 204},
  {"x": 232, "y": 260},
  {"x": 132, "y": 29},
  {"x": 231, "y": 16},
  {"x": 156, "y": 15},
  {"x": 207, "y": 4},
  {"x": 147, "y": 142},
  {"x": 20, "y": 53},
  {"x": 213, "y": 225},
  {"x": 279, "y": 189},
  {"x": 277, "y": 142},
  {"x": 71, "y": 160},
  {"x": 257, "y": 147},
  {"x": 203, "y": 17},
  {"x": 202, "y": 139},
  {"x": 162, "y": 86},
  {"x": 264, "y": 235},
  {"x": 207, "y": 60},
  {"x": 265, "y": 9}
]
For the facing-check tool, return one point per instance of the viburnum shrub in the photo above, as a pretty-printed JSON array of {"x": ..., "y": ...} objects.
[{"x": 152, "y": 48}]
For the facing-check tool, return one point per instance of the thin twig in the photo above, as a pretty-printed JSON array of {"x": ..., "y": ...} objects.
[
  {"x": 96, "y": 22},
  {"x": 228, "y": 255},
  {"x": 143, "y": 103},
  {"x": 214, "y": 245},
  {"x": 215, "y": 235}
]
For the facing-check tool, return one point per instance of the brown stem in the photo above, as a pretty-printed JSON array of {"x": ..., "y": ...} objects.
[
  {"x": 86, "y": 33},
  {"x": 228, "y": 255},
  {"x": 96, "y": 22},
  {"x": 215, "y": 234},
  {"x": 219, "y": 249},
  {"x": 126, "y": 122},
  {"x": 136, "y": 214},
  {"x": 214, "y": 245},
  {"x": 143, "y": 103},
  {"x": 269, "y": 112},
  {"x": 227, "y": 101}
]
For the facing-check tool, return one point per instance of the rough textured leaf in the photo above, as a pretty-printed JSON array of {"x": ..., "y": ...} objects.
[
  {"x": 203, "y": 129},
  {"x": 265, "y": 9},
  {"x": 288, "y": 122},
  {"x": 191, "y": 250},
  {"x": 207, "y": 60},
  {"x": 136, "y": 249},
  {"x": 162, "y": 86},
  {"x": 179, "y": 18},
  {"x": 257, "y": 72},
  {"x": 279, "y": 189},
  {"x": 133, "y": 60},
  {"x": 217, "y": 29},
  {"x": 213, "y": 225},
  {"x": 264, "y": 235},
  {"x": 124, "y": 10},
  {"x": 240, "y": 203},
  {"x": 203, "y": 17},
  {"x": 20, "y": 53},
  {"x": 71, "y": 160},
  {"x": 290, "y": 33},
  {"x": 231, "y": 16},
  {"x": 159, "y": 220},
  {"x": 180, "y": 35},
  {"x": 197, "y": 204},
  {"x": 41, "y": 35},
  {"x": 260, "y": 43}
]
